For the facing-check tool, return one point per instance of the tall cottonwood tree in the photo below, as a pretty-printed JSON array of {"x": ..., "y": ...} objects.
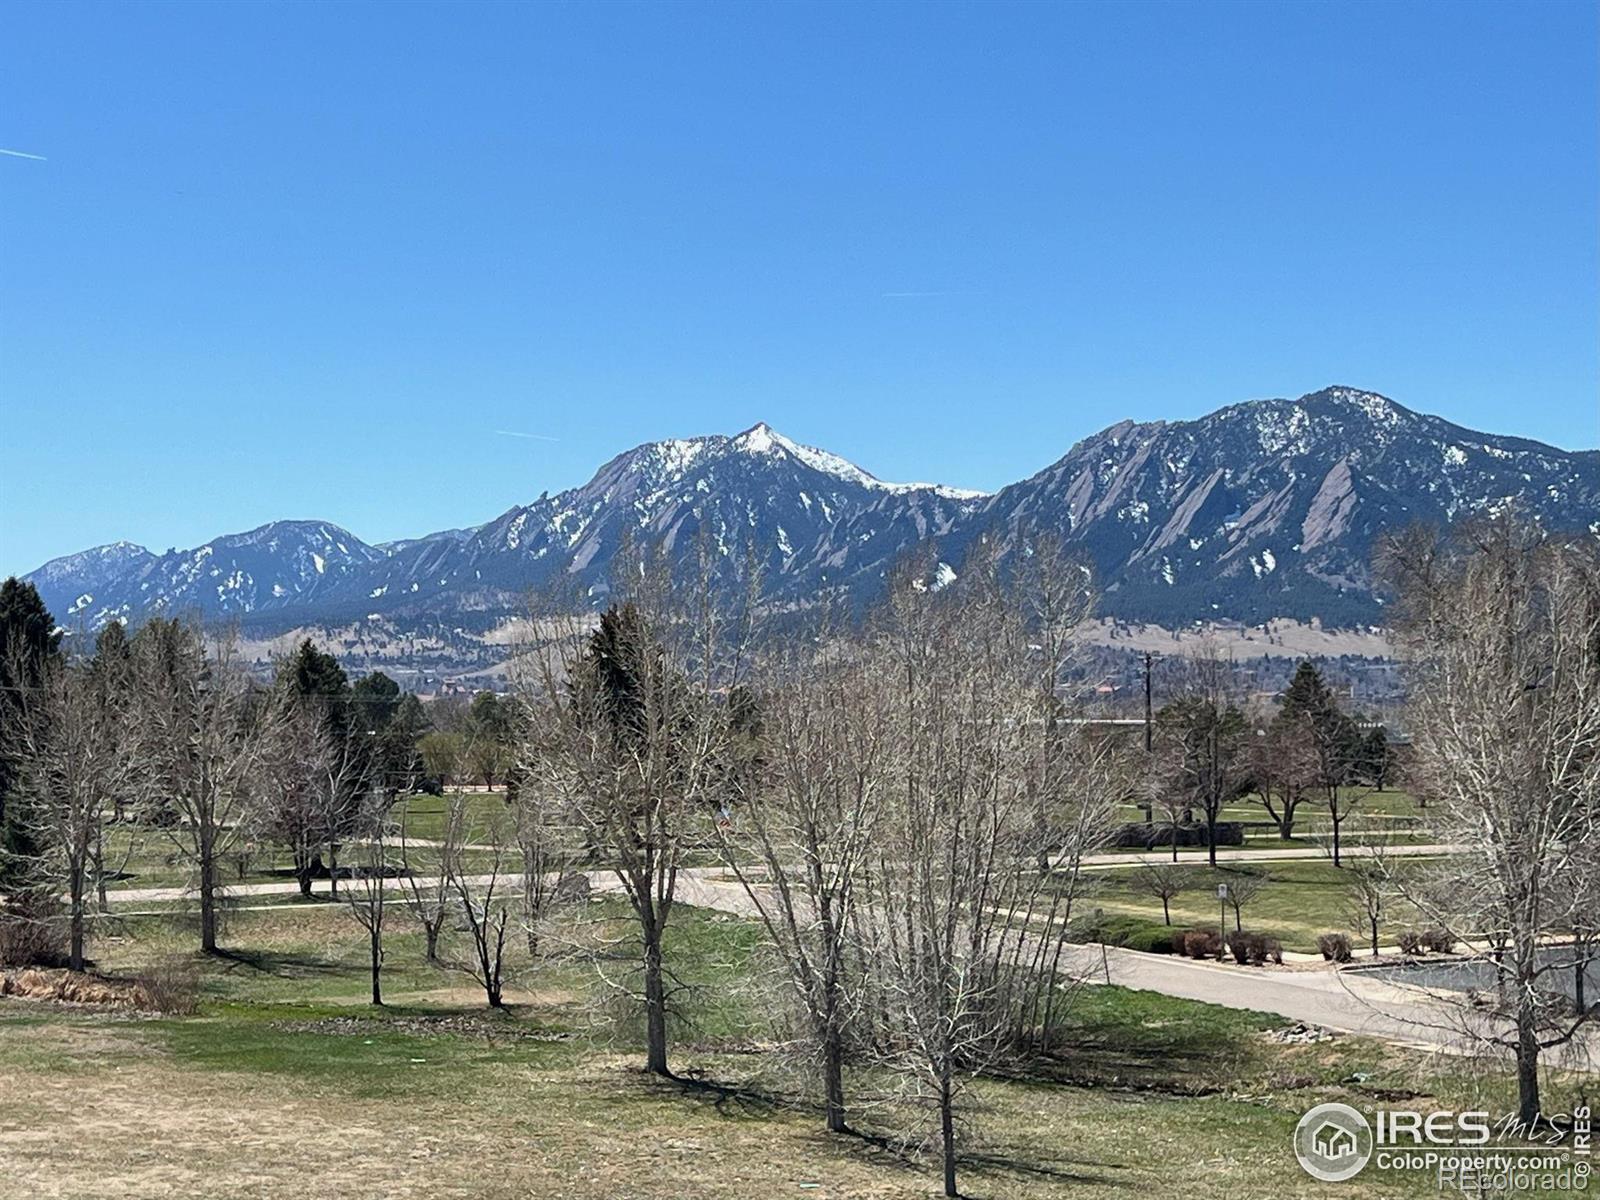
[
  {"x": 803, "y": 822},
  {"x": 633, "y": 730},
  {"x": 952, "y": 894},
  {"x": 203, "y": 731},
  {"x": 73, "y": 761},
  {"x": 1500, "y": 627},
  {"x": 1208, "y": 740}
]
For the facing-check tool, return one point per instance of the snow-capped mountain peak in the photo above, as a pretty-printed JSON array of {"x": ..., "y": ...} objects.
[
  {"x": 1260, "y": 509},
  {"x": 761, "y": 438}
]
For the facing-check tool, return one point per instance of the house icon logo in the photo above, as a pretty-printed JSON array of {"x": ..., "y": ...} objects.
[{"x": 1333, "y": 1142}]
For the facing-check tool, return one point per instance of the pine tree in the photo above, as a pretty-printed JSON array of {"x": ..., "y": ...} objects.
[
  {"x": 315, "y": 679},
  {"x": 376, "y": 698},
  {"x": 29, "y": 639}
]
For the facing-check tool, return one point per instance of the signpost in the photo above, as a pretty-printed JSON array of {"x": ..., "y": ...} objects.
[{"x": 1222, "y": 918}]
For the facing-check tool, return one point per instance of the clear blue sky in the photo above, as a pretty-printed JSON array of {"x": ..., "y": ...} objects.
[{"x": 305, "y": 260}]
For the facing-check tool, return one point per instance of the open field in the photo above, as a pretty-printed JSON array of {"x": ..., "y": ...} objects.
[
  {"x": 286, "y": 1082},
  {"x": 1391, "y": 815},
  {"x": 1296, "y": 902}
]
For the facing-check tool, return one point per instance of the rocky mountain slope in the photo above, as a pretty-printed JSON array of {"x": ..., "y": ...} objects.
[
  {"x": 1262, "y": 509},
  {"x": 1272, "y": 507}
]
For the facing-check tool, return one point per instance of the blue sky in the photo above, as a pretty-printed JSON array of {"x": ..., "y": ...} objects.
[{"x": 305, "y": 260}]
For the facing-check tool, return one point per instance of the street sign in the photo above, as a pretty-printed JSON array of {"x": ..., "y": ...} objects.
[{"x": 1222, "y": 891}]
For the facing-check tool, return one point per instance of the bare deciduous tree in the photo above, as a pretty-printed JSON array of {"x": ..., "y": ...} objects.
[
  {"x": 480, "y": 895},
  {"x": 796, "y": 838},
  {"x": 1501, "y": 631},
  {"x": 1373, "y": 886},
  {"x": 203, "y": 730},
  {"x": 425, "y": 870},
  {"x": 1207, "y": 736},
  {"x": 1243, "y": 887},
  {"x": 1161, "y": 881},
  {"x": 632, "y": 729},
  {"x": 366, "y": 893},
  {"x": 1283, "y": 763},
  {"x": 69, "y": 737},
  {"x": 952, "y": 897}
]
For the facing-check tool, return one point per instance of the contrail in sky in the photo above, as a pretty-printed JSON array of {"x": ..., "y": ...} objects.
[
  {"x": 536, "y": 437},
  {"x": 21, "y": 154}
]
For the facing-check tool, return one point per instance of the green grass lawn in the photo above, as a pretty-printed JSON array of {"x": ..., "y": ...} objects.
[
  {"x": 1390, "y": 811},
  {"x": 424, "y": 816},
  {"x": 148, "y": 856},
  {"x": 1297, "y": 901},
  {"x": 288, "y": 1082}
]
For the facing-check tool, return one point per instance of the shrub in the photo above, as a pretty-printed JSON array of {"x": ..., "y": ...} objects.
[
  {"x": 1133, "y": 932},
  {"x": 1335, "y": 947},
  {"x": 1410, "y": 942},
  {"x": 1255, "y": 949},
  {"x": 1202, "y": 943},
  {"x": 171, "y": 986},
  {"x": 1157, "y": 939},
  {"x": 1441, "y": 941},
  {"x": 1239, "y": 947},
  {"x": 31, "y": 937}
]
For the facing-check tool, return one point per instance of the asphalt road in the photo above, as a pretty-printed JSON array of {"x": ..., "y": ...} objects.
[{"x": 1347, "y": 1001}]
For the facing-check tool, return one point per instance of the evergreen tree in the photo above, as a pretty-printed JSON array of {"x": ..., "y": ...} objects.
[
  {"x": 1377, "y": 759},
  {"x": 491, "y": 725},
  {"x": 315, "y": 680},
  {"x": 29, "y": 640},
  {"x": 318, "y": 688},
  {"x": 376, "y": 698},
  {"x": 616, "y": 665},
  {"x": 393, "y": 721}
]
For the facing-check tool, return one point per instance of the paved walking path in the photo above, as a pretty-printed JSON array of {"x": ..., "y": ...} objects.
[
  {"x": 1106, "y": 861},
  {"x": 1347, "y": 1001}
]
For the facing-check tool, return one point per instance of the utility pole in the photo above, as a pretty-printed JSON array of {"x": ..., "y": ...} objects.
[
  {"x": 1149, "y": 662},
  {"x": 1149, "y": 743}
]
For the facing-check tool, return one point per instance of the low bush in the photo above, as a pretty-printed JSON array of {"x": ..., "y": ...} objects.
[
  {"x": 32, "y": 937},
  {"x": 1440, "y": 941},
  {"x": 1239, "y": 946},
  {"x": 1202, "y": 943},
  {"x": 1255, "y": 949},
  {"x": 1335, "y": 947},
  {"x": 1154, "y": 939},
  {"x": 1133, "y": 932},
  {"x": 172, "y": 987},
  {"x": 1410, "y": 942}
]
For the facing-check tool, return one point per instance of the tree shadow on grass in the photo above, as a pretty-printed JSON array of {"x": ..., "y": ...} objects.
[
  {"x": 747, "y": 1102},
  {"x": 898, "y": 1153},
  {"x": 727, "y": 1099},
  {"x": 281, "y": 965}
]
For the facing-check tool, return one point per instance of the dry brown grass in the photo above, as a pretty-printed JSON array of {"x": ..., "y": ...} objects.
[{"x": 124, "y": 1121}]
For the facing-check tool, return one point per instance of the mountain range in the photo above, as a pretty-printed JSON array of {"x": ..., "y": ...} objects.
[{"x": 1267, "y": 508}]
